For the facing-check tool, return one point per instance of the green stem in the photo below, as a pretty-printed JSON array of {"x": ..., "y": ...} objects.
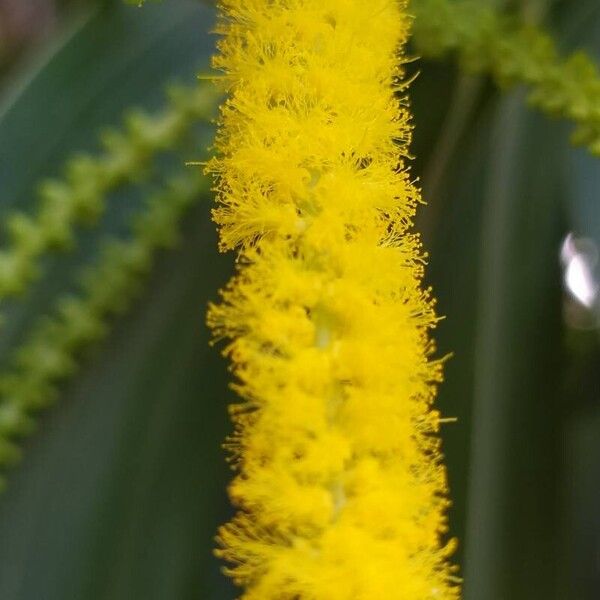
[
  {"x": 80, "y": 196},
  {"x": 54, "y": 344},
  {"x": 514, "y": 52}
]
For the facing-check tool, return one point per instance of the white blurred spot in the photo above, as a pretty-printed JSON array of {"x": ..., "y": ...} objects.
[{"x": 579, "y": 257}]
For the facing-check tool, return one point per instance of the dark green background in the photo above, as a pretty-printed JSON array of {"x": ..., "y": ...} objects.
[{"x": 123, "y": 486}]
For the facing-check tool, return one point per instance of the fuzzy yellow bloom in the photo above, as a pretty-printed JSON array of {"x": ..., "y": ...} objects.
[{"x": 340, "y": 487}]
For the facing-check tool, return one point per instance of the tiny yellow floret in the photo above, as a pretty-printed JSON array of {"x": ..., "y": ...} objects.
[{"x": 340, "y": 486}]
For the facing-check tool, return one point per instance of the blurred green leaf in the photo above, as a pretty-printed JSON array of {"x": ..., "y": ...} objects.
[
  {"x": 121, "y": 490},
  {"x": 523, "y": 456},
  {"x": 515, "y": 446},
  {"x": 495, "y": 270},
  {"x": 580, "y": 530}
]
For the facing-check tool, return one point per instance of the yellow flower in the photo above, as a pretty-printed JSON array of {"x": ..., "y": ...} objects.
[{"x": 340, "y": 487}]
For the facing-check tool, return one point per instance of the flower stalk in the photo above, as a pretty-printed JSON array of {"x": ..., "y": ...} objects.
[{"x": 340, "y": 486}]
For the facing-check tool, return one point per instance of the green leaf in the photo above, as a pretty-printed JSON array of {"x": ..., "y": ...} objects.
[
  {"x": 514, "y": 486},
  {"x": 120, "y": 491},
  {"x": 495, "y": 270},
  {"x": 522, "y": 457}
]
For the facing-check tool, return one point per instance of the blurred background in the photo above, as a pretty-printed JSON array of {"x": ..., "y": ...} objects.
[{"x": 122, "y": 485}]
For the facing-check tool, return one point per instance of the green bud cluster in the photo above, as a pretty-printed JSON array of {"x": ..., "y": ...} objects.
[
  {"x": 514, "y": 53},
  {"x": 54, "y": 344},
  {"x": 79, "y": 197}
]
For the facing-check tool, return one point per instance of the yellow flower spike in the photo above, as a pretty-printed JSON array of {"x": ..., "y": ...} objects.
[{"x": 340, "y": 487}]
